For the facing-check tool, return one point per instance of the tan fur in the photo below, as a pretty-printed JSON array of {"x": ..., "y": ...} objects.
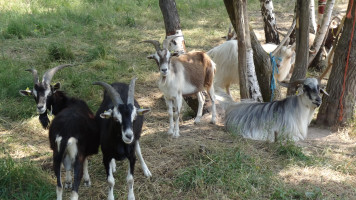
[{"x": 194, "y": 62}]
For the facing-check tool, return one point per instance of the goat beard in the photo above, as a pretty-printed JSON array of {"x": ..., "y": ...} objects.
[{"x": 44, "y": 120}]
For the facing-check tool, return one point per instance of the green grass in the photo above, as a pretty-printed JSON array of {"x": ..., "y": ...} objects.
[
  {"x": 229, "y": 170},
  {"x": 24, "y": 180}
]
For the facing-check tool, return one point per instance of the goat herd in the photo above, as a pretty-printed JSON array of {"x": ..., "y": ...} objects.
[{"x": 76, "y": 133}]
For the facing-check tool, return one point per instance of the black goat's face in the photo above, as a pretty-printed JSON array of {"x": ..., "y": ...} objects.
[
  {"x": 312, "y": 90},
  {"x": 162, "y": 58},
  {"x": 124, "y": 114},
  {"x": 41, "y": 91}
]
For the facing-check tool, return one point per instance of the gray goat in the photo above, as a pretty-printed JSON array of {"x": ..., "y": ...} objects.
[{"x": 288, "y": 118}]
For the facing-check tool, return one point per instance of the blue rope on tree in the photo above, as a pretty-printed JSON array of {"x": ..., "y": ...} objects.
[{"x": 274, "y": 67}]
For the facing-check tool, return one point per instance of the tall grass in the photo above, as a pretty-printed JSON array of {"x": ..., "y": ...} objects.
[{"x": 23, "y": 180}]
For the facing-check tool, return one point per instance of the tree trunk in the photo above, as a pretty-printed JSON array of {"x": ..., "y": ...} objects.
[
  {"x": 253, "y": 86},
  {"x": 269, "y": 22},
  {"x": 312, "y": 25},
  {"x": 302, "y": 40},
  {"x": 263, "y": 69},
  {"x": 172, "y": 25},
  {"x": 321, "y": 7},
  {"x": 339, "y": 106},
  {"x": 322, "y": 30}
]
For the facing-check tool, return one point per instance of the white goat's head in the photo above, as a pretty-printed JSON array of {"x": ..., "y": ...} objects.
[
  {"x": 122, "y": 113},
  {"x": 161, "y": 56},
  {"x": 42, "y": 90},
  {"x": 311, "y": 90}
]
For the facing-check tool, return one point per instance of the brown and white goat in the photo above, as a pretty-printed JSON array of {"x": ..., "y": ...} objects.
[{"x": 186, "y": 74}]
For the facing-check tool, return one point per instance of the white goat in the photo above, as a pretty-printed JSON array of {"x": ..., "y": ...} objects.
[
  {"x": 225, "y": 57},
  {"x": 288, "y": 118},
  {"x": 186, "y": 74}
]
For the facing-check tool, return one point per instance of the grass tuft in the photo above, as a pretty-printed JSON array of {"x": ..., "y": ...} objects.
[
  {"x": 58, "y": 52},
  {"x": 291, "y": 151},
  {"x": 24, "y": 181}
]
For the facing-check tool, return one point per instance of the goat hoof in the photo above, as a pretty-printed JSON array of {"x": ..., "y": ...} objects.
[
  {"x": 212, "y": 122},
  {"x": 68, "y": 185},
  {"x": 170, "y": 132},
  {"x": 147, "y": 173},
  {"x": 196, "y": 121},
  {"x": 87, "y": 183},
  {"x": 176, "y": 135}
]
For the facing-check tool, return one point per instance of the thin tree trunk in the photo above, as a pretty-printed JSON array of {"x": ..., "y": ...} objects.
[
  {"x": 323, "y": 29},
  {"x": 312, "y": 25},
  {"x": 269, "y": 22},
  {"x": 302, "y": 40},
  {"x": 253, "y": 86},
  {"x": 321, "y": 7},
  {"x": 330, "y": 111}
]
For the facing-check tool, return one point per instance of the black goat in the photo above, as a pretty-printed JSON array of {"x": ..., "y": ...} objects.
[
  {"x": 42, "y": 90},
  {"x": 120, "y": 129},
  {"x": 73, "y": 133}
]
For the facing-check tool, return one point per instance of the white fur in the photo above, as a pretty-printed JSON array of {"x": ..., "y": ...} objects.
[
  {"x": 226, "y": 58},
  {"x": 111, "y": 182},
  {"x": 59, "y": 192},
  {"x": 130, "y": 183},
  {"x": 58, "y": 141},
  {"x": 72, "y": 148},
  {"x": 144, "y": 167},
  {"x": 86, "y": 176},
  {"x": 74, "y": 195}
]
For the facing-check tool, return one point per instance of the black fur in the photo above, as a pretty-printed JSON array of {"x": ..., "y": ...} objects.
[
  {"x": 112, "y": 145},
  {"x": 73, "y": 118}
]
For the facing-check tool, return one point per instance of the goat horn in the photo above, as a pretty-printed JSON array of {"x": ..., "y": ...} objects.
[
  {"x": 168, "y": 40},
  {"x": 155, "y": 43},
  {"x": 114, "y": 95},
  {"x": 131, "y": 95},
  {"x": 35, "y": 75},
  {"x": 285, "y": 38},
  {"x": 292, "y": 84},
  {"x": 47, "y": 77}
]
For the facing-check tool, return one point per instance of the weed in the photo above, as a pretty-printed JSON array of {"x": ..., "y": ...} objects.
[
  {"x": 18, "y": 29},
  {"x": 23, "y": 181},
  {"x": 98, "y": 51},
  {"x": 58, "y": 52},
  {"x": 290, "y": 150}
]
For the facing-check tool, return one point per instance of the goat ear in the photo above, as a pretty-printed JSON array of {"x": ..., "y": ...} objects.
[
  {"x": 106, "y": 114},
  {"x": 56, "y": 87},
  {"x": 151, "y": 56},
  {"x": 323, "y": 91},
  {"x": 142, "y": 111},
  {"x": 26, "y": 92}
]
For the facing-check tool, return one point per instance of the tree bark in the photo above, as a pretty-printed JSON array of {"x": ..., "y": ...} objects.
[
  {"x": 322, "y": 30},
  {"x": 253, "y": 86},
  {"x": 302, "y": 40},
  {"x": 172, "y": 25},
  {"x": 312, "y": 24},
  {"x": 321, "y": 7},
  {"x": 269, "y": 22},
  {"x": 339, "y": 106}
]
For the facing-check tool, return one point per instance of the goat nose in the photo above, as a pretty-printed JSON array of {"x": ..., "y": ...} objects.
[
  {"x": 39, "y": 107},
  {"x": 164, "y": 70},
  {"x": 128, "y": 136}
]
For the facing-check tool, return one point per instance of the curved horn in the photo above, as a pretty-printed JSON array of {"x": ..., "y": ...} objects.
[
  {"x": 47, "y": 77},
  {"x": 155, "y": 43},
  {"x": 34, "y": 74},
  {"x": 285, "y": 38},
  {"x": 168, "y": 40},
  {"x": 292, "y": 84},
  {"x": 114, "y": 95},
  {"x": 131, "y": 94}
]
